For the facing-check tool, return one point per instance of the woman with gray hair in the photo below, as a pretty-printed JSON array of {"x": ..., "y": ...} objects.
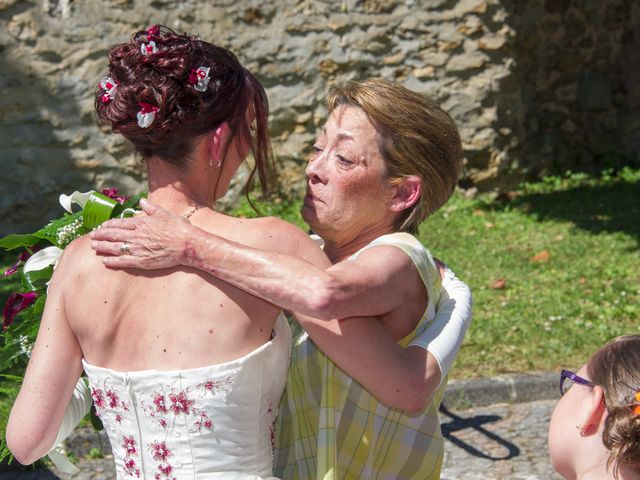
[{"x": 386, "y": 158}]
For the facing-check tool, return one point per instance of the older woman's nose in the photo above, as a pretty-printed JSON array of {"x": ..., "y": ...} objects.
[{"x": 316, "y": 169}]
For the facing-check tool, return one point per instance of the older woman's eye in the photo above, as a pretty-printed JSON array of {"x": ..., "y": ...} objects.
[{"x": 344, "y": 160}]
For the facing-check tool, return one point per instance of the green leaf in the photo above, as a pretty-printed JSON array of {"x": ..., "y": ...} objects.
[
  {"x": 36, "y": 279},
  {"x": 97, "y": 210},
  {"x": 50, "y": 231},
  {"x": 130, "y": 203},
  {"x": 95, "y": 420},
  {"x": 14, "y": 240},
  {"x": 38, "y": 307}
]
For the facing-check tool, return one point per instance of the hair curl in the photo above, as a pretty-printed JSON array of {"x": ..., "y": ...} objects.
[
  {"x": 185, "y": 114},
  {"x": 616, "y": 368}
]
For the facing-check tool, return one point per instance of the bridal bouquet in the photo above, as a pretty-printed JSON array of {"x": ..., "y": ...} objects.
[{"x": 37, "y": 257}]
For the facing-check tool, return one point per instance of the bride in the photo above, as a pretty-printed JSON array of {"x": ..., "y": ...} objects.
[{"x": 185, "y": 371}]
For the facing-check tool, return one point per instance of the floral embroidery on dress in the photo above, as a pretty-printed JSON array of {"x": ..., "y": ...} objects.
[
  {"x": 166, "y": 407},
  {"x": 219, "y": 386},
  {"x": 273, "y": 416},
  {"x": 160, "y": 453},
  {"x": 169, "y": 409},
  {"x": 130, "y": 451},
  {"x": 107, "y": 398},
  {"x": 168, "y": 403}
]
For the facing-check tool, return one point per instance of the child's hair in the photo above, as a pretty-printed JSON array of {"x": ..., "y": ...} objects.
[
  {"x": 159, "y": 68},
  {"x": 616, "y": 368}
]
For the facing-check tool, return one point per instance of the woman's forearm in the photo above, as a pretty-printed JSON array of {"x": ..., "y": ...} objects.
[
  {"x": 405, "y": 379},
  {"x": 284, "y": 280}
]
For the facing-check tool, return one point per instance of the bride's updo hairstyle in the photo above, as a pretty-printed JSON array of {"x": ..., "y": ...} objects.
[
  {"x": 164, "y": 91},
  {"x": 616, "y": 368}
]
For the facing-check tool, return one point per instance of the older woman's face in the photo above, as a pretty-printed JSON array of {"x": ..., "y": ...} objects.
[{"x": 346, "y": 193}]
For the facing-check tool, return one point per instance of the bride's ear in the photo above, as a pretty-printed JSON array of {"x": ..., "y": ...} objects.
[
  {"x": 219, "y": 139},
  {"x": 405, "y": 194}
]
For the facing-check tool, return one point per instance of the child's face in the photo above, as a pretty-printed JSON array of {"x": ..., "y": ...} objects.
[{"x": 565, "y": 427}]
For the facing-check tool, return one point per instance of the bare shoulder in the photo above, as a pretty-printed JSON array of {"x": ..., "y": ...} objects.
[
  {"x": 78, "y": 257},
  {"x": 277, "y": 235}
]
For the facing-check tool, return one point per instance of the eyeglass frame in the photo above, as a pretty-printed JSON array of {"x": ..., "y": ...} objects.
[{"x": 564, "y": 374}]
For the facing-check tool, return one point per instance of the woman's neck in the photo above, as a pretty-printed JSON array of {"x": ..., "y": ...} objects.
[
  {"x": 340, "y": 248},
  {"x": 175, "y": 191}
]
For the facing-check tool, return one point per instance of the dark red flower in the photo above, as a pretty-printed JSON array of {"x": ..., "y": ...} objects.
[
  {"x": 153, "y": 32},
  {"x": 24, "y": 256},
  {"x": 15, "y": 304},
  {"x": 112, "y": 193}
]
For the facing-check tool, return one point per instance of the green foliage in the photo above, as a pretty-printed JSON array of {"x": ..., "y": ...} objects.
[
  {"x": 554, "y": 269},
  {"x": 95, "y": 453},
  {"x": 18, "y": 337}
]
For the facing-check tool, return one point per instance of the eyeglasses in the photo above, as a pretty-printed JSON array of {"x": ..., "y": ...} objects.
[{"x": 566, "y": 374}]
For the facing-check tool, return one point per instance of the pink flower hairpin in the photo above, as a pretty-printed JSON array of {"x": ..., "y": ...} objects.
[
  {"x": 147, "y": 114},
  {"x": 153, "y": 32},
  {"x": 199, "y": 78},
  {"x": 148, "y": 48},
  {"x": 109, "y": 87}
]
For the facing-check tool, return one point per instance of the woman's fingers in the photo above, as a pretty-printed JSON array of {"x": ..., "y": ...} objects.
[
  {"x": 107, "y": 248},
  {"x": 123, "y": 223},
  {"x": 125, "y": 261},
  {"x": 109, "y": 234}
]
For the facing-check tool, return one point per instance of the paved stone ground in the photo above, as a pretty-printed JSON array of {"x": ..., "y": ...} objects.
[{"x": 503, "y": 441}]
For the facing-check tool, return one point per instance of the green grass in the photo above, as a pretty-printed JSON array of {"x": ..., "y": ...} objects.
[{"x": 551, "y": 313}]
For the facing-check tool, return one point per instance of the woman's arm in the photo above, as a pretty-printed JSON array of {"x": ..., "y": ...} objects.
[
  {"x": 372, "y": 285},
  {"x": 49, "y": 382},
  {"x": 400, "y": 378}
]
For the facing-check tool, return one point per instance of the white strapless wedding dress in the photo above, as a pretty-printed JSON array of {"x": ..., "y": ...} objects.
[{"x": 214, "y": 422}]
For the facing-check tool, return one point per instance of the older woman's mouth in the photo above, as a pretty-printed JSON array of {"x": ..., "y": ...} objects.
[{"x": 310, "y": 197}]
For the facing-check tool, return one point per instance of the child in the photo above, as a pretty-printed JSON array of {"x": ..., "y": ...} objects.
[{"x": 595, "y": 427}]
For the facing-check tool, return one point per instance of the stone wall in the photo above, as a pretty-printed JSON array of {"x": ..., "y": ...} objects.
[{"x": 533, "y": 85}]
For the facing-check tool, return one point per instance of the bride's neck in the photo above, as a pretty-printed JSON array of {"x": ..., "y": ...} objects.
[{"x": 174, "y": 190}]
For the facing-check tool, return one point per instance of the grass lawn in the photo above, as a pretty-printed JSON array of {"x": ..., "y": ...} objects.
[{"x": 554, "y": 269}]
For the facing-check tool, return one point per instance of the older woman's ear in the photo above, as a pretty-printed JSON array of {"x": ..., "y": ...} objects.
[{"x": 405, "y": 193}]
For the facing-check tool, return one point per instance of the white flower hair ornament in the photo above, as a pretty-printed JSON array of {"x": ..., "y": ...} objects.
[
  {"x": 147, "y": 114},
  {"x": 199, "y": 78},
  {"x": 109, "y": 87},
  {"x": 148, "y": 48}
]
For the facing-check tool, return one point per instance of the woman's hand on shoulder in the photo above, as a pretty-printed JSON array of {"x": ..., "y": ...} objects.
[{"x": 158, "y": 240}]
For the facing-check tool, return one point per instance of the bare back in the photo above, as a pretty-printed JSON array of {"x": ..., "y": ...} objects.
[{"x": 173, "y": 318}]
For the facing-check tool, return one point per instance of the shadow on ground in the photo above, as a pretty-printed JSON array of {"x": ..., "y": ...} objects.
[
  {"x": 605, "y": 208},
  {"x": 477, "y": 422}
]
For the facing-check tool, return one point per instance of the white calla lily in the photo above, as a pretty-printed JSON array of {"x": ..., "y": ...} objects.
[
  {"x": 42, "y": 259},
  {"x": 79, "y": 198}
]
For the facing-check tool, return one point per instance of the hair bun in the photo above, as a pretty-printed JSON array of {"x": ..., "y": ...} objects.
[{"x": 622, "y": 436}]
